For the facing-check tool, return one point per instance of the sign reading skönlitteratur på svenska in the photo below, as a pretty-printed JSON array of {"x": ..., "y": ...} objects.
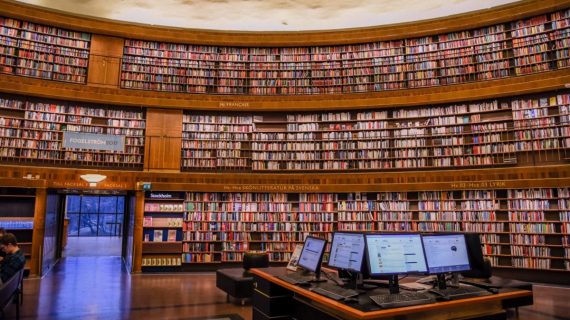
[{"x": 106, "y": 142}]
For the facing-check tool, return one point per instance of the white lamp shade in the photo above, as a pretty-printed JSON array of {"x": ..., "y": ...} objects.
[{"x": 93, "y": 179}]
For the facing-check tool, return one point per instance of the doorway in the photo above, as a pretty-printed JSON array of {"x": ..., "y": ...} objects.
[{"x": 95, "y": 224}]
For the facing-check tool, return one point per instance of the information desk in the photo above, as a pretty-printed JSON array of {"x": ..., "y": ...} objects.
[{"x": 277, "y": 299}]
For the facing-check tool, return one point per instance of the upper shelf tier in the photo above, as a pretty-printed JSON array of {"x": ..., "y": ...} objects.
[
  {"x": 441, "y": 67},
  {"x": 453, "y": 23}
]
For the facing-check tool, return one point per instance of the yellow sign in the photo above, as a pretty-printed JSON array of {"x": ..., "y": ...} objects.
[
  {"x": 273, "y": 187},
  {"x": 234, "y": 104}
]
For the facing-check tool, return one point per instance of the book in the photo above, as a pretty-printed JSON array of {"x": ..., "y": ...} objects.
[
  {"x": 171, "y": 235},
  {"x": 157, "y": 236},
  {"x": 294, "y": 261}
]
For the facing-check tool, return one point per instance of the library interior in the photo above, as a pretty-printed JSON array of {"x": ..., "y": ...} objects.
[{"x": 306, "y": 165}]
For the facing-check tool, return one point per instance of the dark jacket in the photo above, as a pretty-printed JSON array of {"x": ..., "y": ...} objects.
[{"x": 11, "y": 264}]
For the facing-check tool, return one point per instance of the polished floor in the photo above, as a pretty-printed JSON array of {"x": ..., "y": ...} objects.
[
  {"x": 98, "y": 287},
  {"x": 93, "y": 247}
]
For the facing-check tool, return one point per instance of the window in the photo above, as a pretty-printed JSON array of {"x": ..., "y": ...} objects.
[{"x": 93, "y": 216}]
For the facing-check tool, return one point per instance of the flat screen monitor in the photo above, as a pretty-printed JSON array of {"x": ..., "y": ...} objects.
[
  {"x": 347, "y": 251},
  {"x": 474, "y": 250},
  {"x": 393, "y": 254},
  {"x": 312, "y": 254},
  {"x": 446, "y": 253}
]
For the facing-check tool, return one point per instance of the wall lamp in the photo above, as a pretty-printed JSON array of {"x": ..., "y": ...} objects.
[{"x": 93, "y": 179}]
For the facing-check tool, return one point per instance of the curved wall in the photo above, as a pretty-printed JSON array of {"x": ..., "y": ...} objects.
[
  {"x": 162, "y": 160},
  {"x": 107, "y": 49}
]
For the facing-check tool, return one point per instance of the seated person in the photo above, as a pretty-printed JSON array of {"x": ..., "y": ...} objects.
[
  {"x": 2, "y": 253},
  {"x": 14, "y": 260}
]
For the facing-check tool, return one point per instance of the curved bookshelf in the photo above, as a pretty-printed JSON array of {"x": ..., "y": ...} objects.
[
  {"x": 40, "y": 51},
  {"x": 33, "y": 131},
  {"x": 532, "y": 45},
  {"x": 448, "y": 125},
  {"x": 516, "y": 131}
]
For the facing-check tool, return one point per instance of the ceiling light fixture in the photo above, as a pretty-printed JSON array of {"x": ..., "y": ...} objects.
[{"x": 93, "y": 179}]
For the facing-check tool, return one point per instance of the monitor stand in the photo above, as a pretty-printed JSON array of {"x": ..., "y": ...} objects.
[
  {"x": 356, "y": 282},
  {"x": 394, "y": 285},
  {"x": 442, "y": 283},
  {"x": 359, "y": 283},
  {"x": 317, "y": 278}
]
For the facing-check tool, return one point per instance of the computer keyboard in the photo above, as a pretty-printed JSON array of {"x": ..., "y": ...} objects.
[
  {"x": 334, "y": 292},
  {"x": 481, "y": 284},
  {"x": 402, "y": 299},
  {"x": 294, "y": 278},
  {"x": 462, "y": 292}
]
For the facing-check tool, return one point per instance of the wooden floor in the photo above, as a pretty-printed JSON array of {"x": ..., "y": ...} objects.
[{"x": 99, "y": 288}]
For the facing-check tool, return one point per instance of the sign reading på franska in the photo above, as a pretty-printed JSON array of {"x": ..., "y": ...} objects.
[{"x": 105, "y": 142}]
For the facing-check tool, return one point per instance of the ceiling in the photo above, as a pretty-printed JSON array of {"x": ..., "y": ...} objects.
[{"x": 268, "y": 15}]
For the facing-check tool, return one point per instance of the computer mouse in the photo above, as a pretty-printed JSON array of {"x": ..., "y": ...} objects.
[{"x": 351, "y": 300}]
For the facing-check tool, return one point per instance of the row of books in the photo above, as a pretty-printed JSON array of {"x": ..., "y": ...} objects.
[
  {"x": 337, "y": 141},
  {"x": 43, "y": 51},
  {"x": 17, "y": 224},
  {"x": 530, "y": 45},
  {"x": 33, "y": 129}
]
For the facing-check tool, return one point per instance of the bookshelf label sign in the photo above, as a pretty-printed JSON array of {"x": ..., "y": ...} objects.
[
  {"x": 271, "y": 187},
  {"x": 233, "y": 104},
  {"x": 105, "y": 142},
  {"x": 165, "y": 195}
]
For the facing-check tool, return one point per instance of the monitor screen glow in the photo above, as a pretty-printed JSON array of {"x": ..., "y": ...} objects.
[
  {"x": 312, "y": 254},
  {"x": 446, "y": 253},
  {"x": 347, "y": 251},
  {"x": 391, "y": 254}
]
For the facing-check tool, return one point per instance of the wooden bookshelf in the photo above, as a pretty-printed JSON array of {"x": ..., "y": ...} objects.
[
  {"x": 561, "y": 28},
  {"x": 31, "y": 131},
  {"x": 17, "y": 217},
  {"x": 519, "y": 228},
  {"x": 216, "y": 141},
  {"x": 563, "y": 206},
  {"x": 503, "y": 132},
  {"x": 532, "y": 45},
  {"x": 40, "y": 51},
  {"x": 162, "y": 229},
  {"x": 221, "y": 227}
]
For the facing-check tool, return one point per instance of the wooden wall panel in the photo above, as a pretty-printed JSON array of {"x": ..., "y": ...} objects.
[
  {"x": 138, "y": 232},
  {"x": 541, "y": 82},
  {"x": 490, "y": 178},
  {"x": 105, "y": 61},
  {"x": 163, "y": 140},
  {"x": 39, "y": 232}
]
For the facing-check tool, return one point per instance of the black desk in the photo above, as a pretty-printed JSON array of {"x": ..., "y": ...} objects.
[
  {"x": 235, "y": 283},
  {"x": 277, "y": 299}
]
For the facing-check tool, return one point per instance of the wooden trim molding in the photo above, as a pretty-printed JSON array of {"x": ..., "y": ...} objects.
[
  {"x": 464, "y": 21},
  {"x": 478, "y": 306},
  {"x": 541, "y": 82},
  {"x": 138, "y": 232},
  {"x": 494, "y": 178},
  {"x": 39, "y": 232}
]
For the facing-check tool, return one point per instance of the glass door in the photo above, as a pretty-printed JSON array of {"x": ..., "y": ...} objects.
[{"x": 95, "y": 215}]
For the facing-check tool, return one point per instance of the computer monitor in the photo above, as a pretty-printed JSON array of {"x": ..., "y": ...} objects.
[
  {"x": 446, "y": 253},
  {"x": 347, "y": 251},
  {"x": 394, "y": 254},
  {"x": 479, "y": 267},
  {"x": 312, "y": 255}
]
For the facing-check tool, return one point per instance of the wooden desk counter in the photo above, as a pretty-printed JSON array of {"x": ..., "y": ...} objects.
[{"x": 269, "y": 288}]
